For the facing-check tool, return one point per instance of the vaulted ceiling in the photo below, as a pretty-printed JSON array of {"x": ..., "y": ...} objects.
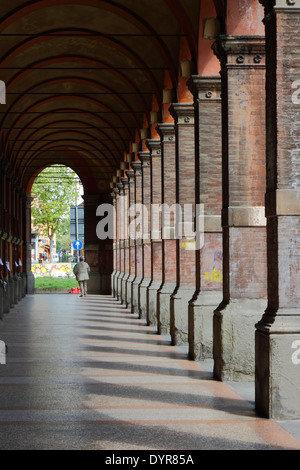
[{"x": 82, "y": 78}]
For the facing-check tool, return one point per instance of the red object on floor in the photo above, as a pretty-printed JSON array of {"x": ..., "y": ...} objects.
[{"x": 75, "y": 290}]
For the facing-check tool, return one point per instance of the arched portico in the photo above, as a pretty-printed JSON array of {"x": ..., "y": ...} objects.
[{"x": 164, "y": 103}]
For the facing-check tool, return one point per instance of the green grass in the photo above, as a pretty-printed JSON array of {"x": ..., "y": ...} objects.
[{"x": 54, "y": 283}]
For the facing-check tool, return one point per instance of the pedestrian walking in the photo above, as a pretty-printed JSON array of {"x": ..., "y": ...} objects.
[{"x": 81, "y": 271}]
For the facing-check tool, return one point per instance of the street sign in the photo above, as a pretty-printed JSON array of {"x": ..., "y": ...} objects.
[
  {"x": 77, "y": 223},
  {"x": 77, "y": 245}
]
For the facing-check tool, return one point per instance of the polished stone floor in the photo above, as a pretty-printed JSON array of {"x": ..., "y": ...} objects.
[{"x": 84, "y": 373}]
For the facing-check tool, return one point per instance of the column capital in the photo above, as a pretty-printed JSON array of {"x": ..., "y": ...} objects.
[
  {"x": 183, "y": 113},
  {"x": 240, "y": 51},
  {"x": 205, "y": 88},
  {"x": 120, "y": 188},
  {"x": 137, "y": 168},
  {"x": 130, "y": 175},
  {"x": 125, "y": 183},
  {"x": 166, "y": 131},
  {"x": 154, "y": 145},
  {"x": 145, "y": 158}
]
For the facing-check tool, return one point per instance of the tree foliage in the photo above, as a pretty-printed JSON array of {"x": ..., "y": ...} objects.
[{"x": 55, "y": 189}]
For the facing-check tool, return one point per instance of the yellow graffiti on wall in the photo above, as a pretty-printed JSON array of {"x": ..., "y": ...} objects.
[{"x": 214, "y": 276}]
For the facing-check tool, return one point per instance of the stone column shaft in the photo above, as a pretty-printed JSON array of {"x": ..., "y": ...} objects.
[
  {"x": 209, "y": 266},
  {"x": 154, "y": 146},
  {"x": 147, "y": 247},
  {"x": 125, "y": 241},
  {"x": 169, "y": 252},
  {"x": 114, "y": 273},
  {"x": 243, "y": 214},
  {"x": 131, "y": 277},
  {"x": 183, "y": 114},
  {"x": 137, "y": 167},
  {"x": 277, "y": 380},
  {"x": 121, "y": 226}
]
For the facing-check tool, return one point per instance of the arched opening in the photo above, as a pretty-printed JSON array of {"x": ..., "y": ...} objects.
[{"x": 57, "y": 226}]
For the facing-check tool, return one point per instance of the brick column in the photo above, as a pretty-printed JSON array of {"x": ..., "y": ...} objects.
[
  {"x": 116, "y": 243},
  {"x": 243, "y": 213},
  {"x": 147, "y": 249},
  {"x": 277, "y": 381},
  {"x": 1, "y": 250},
  {"x": 114, "y": 273},
  {"x": 125, "y": 241},
  {"x": 131, "y": 277},
  {"x": 209, "y": 260},
  {"x": 154, "y": 146},
  {"x": 183, "y": 114},
  {"x": 121, "y": 221},
  {"x": 166, "y": 132},
  {"x": 137, "y": 168}
]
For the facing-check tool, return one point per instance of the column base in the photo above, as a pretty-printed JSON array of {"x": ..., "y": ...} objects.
[
  {"x": 1, "y": 303},
  {"x": 113, "y": 288},
  {"x": 29, "y": 283},
  {"x": 143, "y": 311},
  {"x": 124, "y": 289},
  {"x": 200, "y": 332},
  {"x": 6, "y": 298},
  {"x": 24, "y": 284},
  {"x": 11, "y": 291},
  {"x": 277, "y": 366},
  {"x": 164, "y": 308},
  {"x": 179, "y": 315},
  {"x": 152, "y": 301},
  {"x": 136, "y": 294},
  {"x": 16, "y": 290},
  {"x": 116, "y": 284},
  {"x": 119, "y": 282},
  {"x": 129, "y": 290},
  {"x": 234, "y": 339}
]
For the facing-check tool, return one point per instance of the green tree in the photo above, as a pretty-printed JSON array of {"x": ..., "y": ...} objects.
[
  {"x": 63, "y": 239},
  {"x": 54, "y": 190}
]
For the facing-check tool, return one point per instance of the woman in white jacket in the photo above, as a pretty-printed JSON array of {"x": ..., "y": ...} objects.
[{"x": 81, "y": 271}]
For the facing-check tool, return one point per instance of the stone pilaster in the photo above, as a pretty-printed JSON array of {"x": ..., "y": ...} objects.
[
  {"x": 131, "y": 277},
  {"x": 243, "y": 214},
  {"x": 154, "y": 145},
  {"x": 166, "y": 132},
  {"x": 146, "y": 242},
  {"x": 121, "y": 222},
  {"x": 116, "y": 244},
  {"x": 209, "y": 260},
  {"x": 125, "y": 241},
  {"x": 114, "y": 273},
  {"x": 137, "y": 168},
  {"x": 277, "y": 380},
  {"x": 183, "y": 114}
]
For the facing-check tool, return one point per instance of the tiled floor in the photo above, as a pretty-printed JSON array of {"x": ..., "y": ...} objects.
[{"x": 87, "y": 374}]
